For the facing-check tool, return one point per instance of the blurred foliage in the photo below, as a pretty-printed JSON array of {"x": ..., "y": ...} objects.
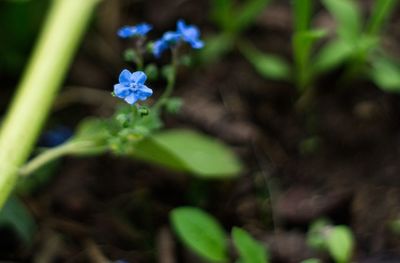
[
  {"x": 20, "y": 21},
  {"x": 15, "y": 215},
  {"x": 204, "y": 235}
]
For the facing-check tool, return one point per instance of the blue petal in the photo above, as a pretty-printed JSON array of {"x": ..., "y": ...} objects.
[
  {"x": 191, "y": 32},
  {"x": 171, "y": 37},
  {"x": 197, "y": 44},
  {"x": 143, "y": 28},
  {"x": 126, "y": 31},
  {"x": 121, "y": 91},
  {"x": 138, "y": 77},
  {"x": 125, "y": 77},
  {"x": 180, "y": 25},
  {"x": 159, "y": 47},
  {"x": 131, "y": 99},
  {"x": 143, "y": 92}
]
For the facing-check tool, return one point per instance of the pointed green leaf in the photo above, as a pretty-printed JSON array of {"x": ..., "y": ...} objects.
[
  {"x": 267, "y": 65},
  {"x": 340, "y": 242},
  {"x": 348, "y": 16},
  {"x": 189, "y": 151},
  {"x": 386, "y": 75},
  {"x": 247, "y": 14},
  {"x": 200, "y": 232},
  {"x": 381, "y": 13},
  {"x": 250, "y": 250},
  {"x": 332, "y": 55}
]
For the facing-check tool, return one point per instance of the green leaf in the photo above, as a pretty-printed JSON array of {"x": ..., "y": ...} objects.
[
  {"x": 221, "y": 11},
  {"x": 215, "y": 48},
  {"x": 386, "y": 75},
  {"x": 302, "y": 14},
  {"x": 250, "y": 250},
  {"x": 332, "y": 55},
  {"x": 151, "y": 71},
  {"x": 340, "y": 243},
  {"x": 315, "y": 235},
  {"x": 348, "y": 16},
  {"x": 92, "y": 135},
  {"x": 15, "y": 215},
  {"x": 189, "y": 151},
  {"x": 200, "y": 232},
  {"x": 311, "y": 260},
  {"x": 247, "y": 14},
  {"x": 381, "y": 13},
  {"x": 267, "y": 65}
]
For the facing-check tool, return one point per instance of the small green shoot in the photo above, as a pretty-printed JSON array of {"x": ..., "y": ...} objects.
[
  {"x": 249, "y": 249},
  {"x": 338, "y": 240},
  {"x": 201, "y": 233}
]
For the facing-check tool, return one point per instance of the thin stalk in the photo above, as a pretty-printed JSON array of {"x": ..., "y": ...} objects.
[
  {"x": 171, "y": 79},
  {"x": 35, "y": 94},
  {"x": 53, "y": 154}
]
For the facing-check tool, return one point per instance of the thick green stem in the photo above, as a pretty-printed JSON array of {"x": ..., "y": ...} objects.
[{"x": 57, "y": 44}]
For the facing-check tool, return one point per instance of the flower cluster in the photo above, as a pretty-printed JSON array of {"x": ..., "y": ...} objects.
[
  {"x": 132, "y": 31},
  {"x": 187, "y": 33},
  {"x": 131, "y": 86}
]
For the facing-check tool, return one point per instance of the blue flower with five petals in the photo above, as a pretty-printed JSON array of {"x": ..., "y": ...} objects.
[
  {"x": 131, "y": 87},
  {"x": 189, "y": 34},
  {"x": 131, "y": 31}
]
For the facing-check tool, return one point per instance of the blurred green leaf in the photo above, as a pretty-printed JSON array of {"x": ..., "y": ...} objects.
[
  {"x": 247, "y": 14},
  {"x": 315, "y": 235},
  {"x": 311, "y": 260},
  {"x": 332, "y": 55},
  {"x": 221, "y": 12},
  {"x": 394, "y": 226},
  {"x": 15, "y": 215},
  {"x": 386, "y": 74},
  {"x": 215, "y": 48},
  {"x": 200, "y": 232},
  {"x": 189, "y": 151},
  {"x": 380, "y": 14},
  {"x": 151, "y": 71},
  {"x": 250, "y": 250},
  {"x": 19, "y": 22},
  {"x": 267, "y": 65},
  {"x": 302, "y": 14},
  {"x": 340, "y": 242},
  {"x": 95, "y": 132},
  {"x": 173, "y": 105},
  {"x": 348, "y": 16}
]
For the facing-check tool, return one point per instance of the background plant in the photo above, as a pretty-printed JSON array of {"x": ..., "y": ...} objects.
[
  {"x": 202, "y": 234},
  {"x": 356, "y": 46}
]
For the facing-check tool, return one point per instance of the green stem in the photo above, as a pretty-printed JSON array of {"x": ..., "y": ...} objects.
[
  {"x": 171, "y": 79},
  {"x": 57, "y": 44},
  {"x": 54, "y": 153}
]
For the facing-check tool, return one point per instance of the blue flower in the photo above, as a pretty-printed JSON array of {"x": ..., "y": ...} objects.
[
  {"x": 131, "y": 31},
  {"x": 190, "y": 34},
  {"x": 131, "y": 87},
  {"x": 168, "y": 39}
]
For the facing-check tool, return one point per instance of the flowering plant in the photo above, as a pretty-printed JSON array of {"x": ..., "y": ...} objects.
[{"x": 134, "y": 129}]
